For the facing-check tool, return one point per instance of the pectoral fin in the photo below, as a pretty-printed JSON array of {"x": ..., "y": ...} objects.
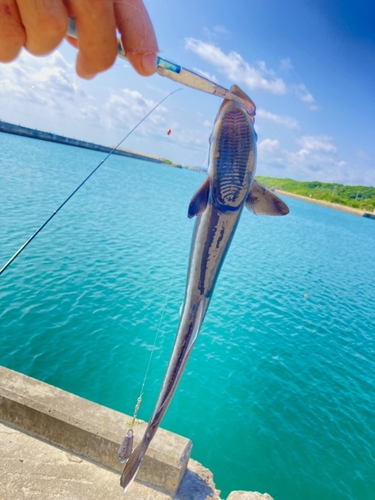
[
  {"x": 261, "y": 201},
  {"x": 199, "y": 201}
]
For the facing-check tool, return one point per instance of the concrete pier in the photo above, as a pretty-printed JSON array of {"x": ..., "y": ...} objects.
[
  {"x": 88, "y": 429},
  {"x": 10, "y": 128},
  {"x": 55, "y": 445}
]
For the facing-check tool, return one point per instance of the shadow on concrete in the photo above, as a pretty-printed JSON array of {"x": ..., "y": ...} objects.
[{"x": 193, "y": 487}]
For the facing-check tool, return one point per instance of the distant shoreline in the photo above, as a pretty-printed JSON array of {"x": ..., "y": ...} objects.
[
  {"x": 335, "y": 206},
  {"x": 10, "y": 128}
]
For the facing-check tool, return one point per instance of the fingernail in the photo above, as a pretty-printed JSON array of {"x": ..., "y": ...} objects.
[
  {"x": 80, "y": 68},
  {"x": 88, "y": 76},
  {"x": 148, "y": 62}
]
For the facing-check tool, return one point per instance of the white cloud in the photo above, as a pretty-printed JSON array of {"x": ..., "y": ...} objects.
[
  {"x": 236, "y": 68},
  {"x": 129, "y": 106},
  {"x": 317, "y": 143},
  {"x": 363, "y": 156},
  {"x": 220, "y": 30},
  {"x": 268, "y": 145},
  {"x": 286, "y": 121},
  {"x": 90, "y": 112},
  {"x": 216, "y": 32},
  {"x": 286, "y": 64},
  {"x": 46, "y": 81},
  {"x": 316, "y": 159},
  {"x": 202, "y": 120},
  {"x": 271, "y": 156},
  {"x": 206, "y": 74},
  {"x": 45, "y": 93},
  {"x": 31, "y": 85},
  {"x": 305, "y": 96},
  {"x": 256, "y": 77},
  {"x": 192, "y": 138},
  {"x": 263, "y": 68},
  {"x": 305, "y": 164},
  {"x": 267, "y": 148}
]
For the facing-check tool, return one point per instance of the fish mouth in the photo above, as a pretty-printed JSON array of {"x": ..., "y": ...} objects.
[
  {"x": 248, "y": 105},
  {"x": 223, "y": 108}
]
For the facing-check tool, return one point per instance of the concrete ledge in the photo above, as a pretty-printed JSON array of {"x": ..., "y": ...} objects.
[
  {"x": 89, "y": 429},
  {"x": 10, "y": 128}
]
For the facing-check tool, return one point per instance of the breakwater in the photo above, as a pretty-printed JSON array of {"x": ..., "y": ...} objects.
[
  {"x": 81, "y": 432},
  {"x": 11, "y": 128}
]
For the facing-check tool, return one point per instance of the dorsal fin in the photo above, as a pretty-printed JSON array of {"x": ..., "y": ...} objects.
[
  {"x": 199, "y": 200},
  {"x": 261, "y": 201}
]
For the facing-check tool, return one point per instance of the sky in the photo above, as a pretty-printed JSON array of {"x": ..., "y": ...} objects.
[{"x": 309, "y": 66}]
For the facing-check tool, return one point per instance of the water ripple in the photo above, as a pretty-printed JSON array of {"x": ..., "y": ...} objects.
[{"x": 278, "y": 394}]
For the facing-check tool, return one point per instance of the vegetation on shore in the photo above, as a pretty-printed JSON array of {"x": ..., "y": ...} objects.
[{"x": 360, "y": 197}]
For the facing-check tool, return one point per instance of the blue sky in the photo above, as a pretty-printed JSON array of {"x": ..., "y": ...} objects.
[{"x": 309, "y": 65}]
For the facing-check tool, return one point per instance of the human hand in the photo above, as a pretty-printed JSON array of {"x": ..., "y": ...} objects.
[{"x": 41, "y": 25}]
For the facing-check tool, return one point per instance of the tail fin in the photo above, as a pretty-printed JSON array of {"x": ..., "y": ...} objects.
[{"x": 131, "y": 468}]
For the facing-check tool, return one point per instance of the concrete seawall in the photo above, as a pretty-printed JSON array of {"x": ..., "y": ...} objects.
[
  {"x": 89, "y": 429},
  {"x": 10, "y": 128},
  {"x": 93, "y": 432}
]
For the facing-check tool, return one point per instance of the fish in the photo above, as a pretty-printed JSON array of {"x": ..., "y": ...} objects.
[{"x": 217, "y": 205}]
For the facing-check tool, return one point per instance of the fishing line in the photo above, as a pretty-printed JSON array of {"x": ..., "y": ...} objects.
[
  {"x": 126, "y": 447},
  {"x": 82, "y": 183},
  {"x": 139, "y": 400}
]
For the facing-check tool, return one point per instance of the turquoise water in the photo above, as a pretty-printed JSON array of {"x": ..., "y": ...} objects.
[{"x": 278, "y": 395}]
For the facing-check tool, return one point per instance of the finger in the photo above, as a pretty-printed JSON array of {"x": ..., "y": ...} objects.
[
  {"x": 137, "y": 34},
  {"x": 96, "y": 30},
  {"x": 45, "y": 22},
  {"x": 12, "y": 33},
  {"x": 144, "y": 64}
]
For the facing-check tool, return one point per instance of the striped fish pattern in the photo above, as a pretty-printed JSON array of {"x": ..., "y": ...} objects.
[{"x": 217, "y": 205}]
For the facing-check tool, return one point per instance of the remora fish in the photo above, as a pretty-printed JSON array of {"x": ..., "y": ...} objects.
[{"x": 218, "y": 205}]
